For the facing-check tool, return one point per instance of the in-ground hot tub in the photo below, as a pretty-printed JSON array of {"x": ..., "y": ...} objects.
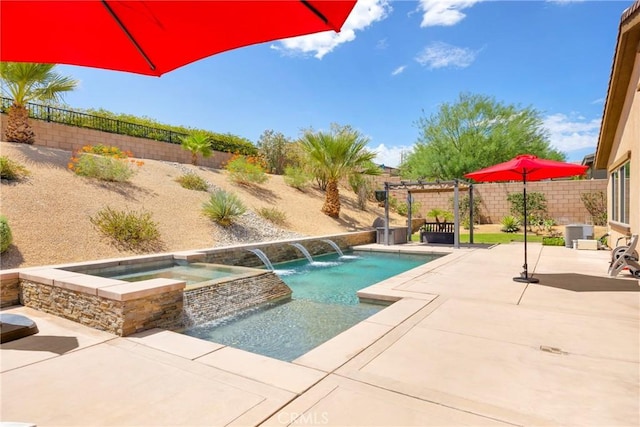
[{"x": 193, "y": 274}]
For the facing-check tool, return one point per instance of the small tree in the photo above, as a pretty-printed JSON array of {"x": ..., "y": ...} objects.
[
  {"x": 197, "y": 143},
  {"x": 25, "y": 82},
  {"x": 437, "y": 213},
  {"x": 596, "y": 204},
  {"x": 536, "y": 207},
  {"x": 474, "y": 132},
  {"x": 336, "y": 155},
  {"x": 273, "y": 147}
]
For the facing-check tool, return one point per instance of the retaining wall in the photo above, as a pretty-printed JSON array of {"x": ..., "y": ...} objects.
[{"x": 71, "y": 138}]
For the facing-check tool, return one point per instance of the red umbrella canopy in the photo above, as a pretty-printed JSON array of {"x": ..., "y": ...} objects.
[
  {"x": 156, "y": 36},
  {"x": 529, "y": 167}
]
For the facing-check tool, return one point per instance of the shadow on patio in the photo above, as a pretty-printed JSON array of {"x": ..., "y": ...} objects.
[{"x": 585, "y": 283}]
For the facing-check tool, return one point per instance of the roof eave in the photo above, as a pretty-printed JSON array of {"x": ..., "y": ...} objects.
[{"x": 621, "y": 71}]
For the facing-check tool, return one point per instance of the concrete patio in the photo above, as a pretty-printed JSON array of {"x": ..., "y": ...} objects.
[{"x": 463, "y": 345}]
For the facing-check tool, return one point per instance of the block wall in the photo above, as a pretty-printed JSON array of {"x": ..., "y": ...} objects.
[
  {"x": 70, "y": 138},
  {"x": 563, "y": 198}
]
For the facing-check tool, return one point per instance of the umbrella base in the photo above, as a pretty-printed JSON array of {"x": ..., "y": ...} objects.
[{"x": 525, "y": 279}]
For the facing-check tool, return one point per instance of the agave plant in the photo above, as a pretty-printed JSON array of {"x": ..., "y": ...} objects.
[{"x": 223, "y": 207}]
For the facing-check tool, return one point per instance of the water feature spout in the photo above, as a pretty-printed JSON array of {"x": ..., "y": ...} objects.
[
  {"x": 263, "y": 257},
  {"x": 304, "y": 251},
  {"x": 334, "y": 246}
]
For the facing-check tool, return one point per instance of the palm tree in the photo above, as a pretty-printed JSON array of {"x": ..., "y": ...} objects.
[
  {"x": 197, "y": 143},
  {"x": 25, "y": 82},
  {"x": 336, "y": 155}
]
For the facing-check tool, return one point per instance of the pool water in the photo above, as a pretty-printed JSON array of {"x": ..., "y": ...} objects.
[
  {"x": 324, "y": 304},
  {"x": 191, "y": 274}
]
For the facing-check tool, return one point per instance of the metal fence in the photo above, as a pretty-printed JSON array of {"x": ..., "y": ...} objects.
[{"x": 104, "y": 124}]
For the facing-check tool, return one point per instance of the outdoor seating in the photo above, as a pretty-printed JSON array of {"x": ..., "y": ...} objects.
[
  {"x": 437, "y": 232},
  {"x": 625, "y": 257}
]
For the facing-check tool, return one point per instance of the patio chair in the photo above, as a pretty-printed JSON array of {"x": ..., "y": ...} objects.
[{"x": 625, "y": 257}]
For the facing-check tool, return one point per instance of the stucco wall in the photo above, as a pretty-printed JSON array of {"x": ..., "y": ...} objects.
[
  {"x": 627, "y": 139},
  {"x": 563, "y": 198},
  {"x": 70, "y": 138}
]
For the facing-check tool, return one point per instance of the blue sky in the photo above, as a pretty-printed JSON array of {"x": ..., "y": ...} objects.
[{"x": 393, "y": 63}]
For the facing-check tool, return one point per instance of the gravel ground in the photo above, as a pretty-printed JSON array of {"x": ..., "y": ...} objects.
[{"x": 49, "y": 211}]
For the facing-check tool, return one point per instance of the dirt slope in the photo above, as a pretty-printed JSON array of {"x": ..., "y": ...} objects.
[{"x": 49, "y": 212}]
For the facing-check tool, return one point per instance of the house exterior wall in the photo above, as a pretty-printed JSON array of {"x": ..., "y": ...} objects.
[
  {"x": 627, "y": 140},
  {"x": 71, "y": 138}
]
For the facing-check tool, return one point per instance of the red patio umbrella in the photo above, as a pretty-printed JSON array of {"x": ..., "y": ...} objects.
[
  {"x": 153, "y": 37},
  {"x": 526, "y": 167}
]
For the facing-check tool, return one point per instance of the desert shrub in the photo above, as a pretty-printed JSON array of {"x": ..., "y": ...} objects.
[
  {"x": 362, "y": 186},
  {"x": 104, "y": 163},
  {"x": 553, "y": 241},
  {"x": 393, "y": 202},
  {"x": 596, "y": 204},
  {"x": 403, "y": 209},
  {"x": 129, "y": 230},
  {"x": 543, "y": 226},
  {"x": 246, "y": 170},
  {"x": 274, "y": 148},
  {"x": 223, "y": 207},
  {"x": 464, "y": 206},
  {"x": 510, "y": 224},
  {"x": 11, "y": 170},
  {"x": 191, "y": 181},
  {"x": 106, "y": 151},
  {"x": 5, "y": 234},
  {"x": 536, "y": 207},
  {"x": 296, "y": 177},
  {"x": 274, "y": 215}
]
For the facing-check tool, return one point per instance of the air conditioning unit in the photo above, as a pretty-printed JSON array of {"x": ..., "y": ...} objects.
[{"x": 576, "y": 232}]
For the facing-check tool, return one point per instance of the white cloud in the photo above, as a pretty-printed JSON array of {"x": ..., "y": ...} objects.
[
  {"x": 440, "y": 55},
  {"x": 390, "y": 156},
  {"x": 598, "y": 101},
  {"x": 443, "y": 12},
  {"x": 382, "y": 44},
  {"x": 365, "y": 13},
  {"x": 398, "y": 70},
  {"x": 569, "y": 133},
  {"x": 563, "y": 2}
]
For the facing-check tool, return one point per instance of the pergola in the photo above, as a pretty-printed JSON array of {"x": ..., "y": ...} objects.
[{"x": 420, "y": 186}]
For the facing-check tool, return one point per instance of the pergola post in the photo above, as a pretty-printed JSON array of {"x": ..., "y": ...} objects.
[
  {"x": 409, "y": 220},
  {"x": 471, "y": 219},
  {"x": 456, "y": 215},
  {"x": 386, "y": 213}
]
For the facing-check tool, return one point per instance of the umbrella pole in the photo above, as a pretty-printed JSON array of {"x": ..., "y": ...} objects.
[{"x": 524, "y": 276}]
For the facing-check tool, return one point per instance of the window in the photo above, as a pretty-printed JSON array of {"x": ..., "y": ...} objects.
[{"x": 620, "y": 193}]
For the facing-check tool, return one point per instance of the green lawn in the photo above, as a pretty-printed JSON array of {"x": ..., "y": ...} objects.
[
  {"x": 499, "y": 237},
  {"x": 491, "y": 237}
]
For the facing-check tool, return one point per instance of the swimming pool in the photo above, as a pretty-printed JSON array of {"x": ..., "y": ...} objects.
[{"x": 324, "y": 303}]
